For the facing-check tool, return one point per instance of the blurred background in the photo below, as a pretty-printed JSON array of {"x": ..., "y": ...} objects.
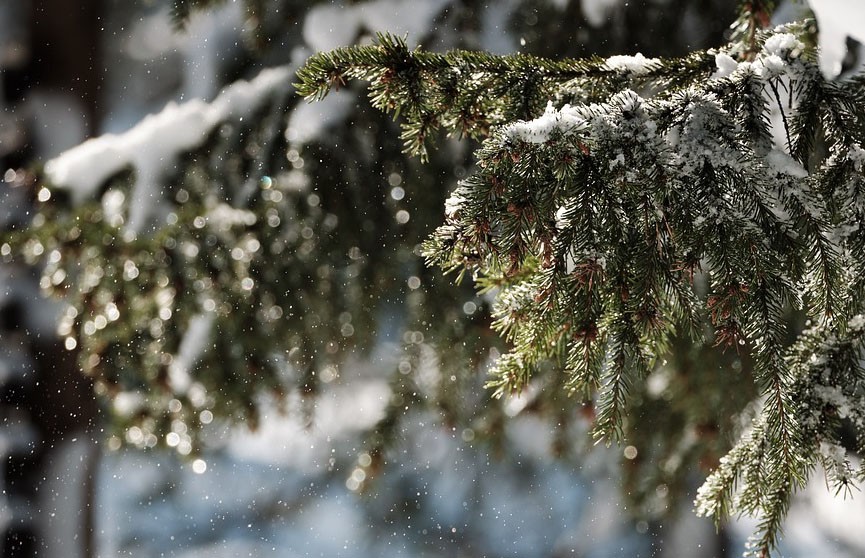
[{"x": 285, "y": 377}]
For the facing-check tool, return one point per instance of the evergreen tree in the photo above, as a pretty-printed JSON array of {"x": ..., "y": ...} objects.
[
  {"x": 669, "y": 247},
  {"x": 702, "y": 199}
]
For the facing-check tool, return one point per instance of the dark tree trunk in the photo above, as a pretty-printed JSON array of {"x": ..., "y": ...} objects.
[
  {"x": 66, "y": 51},
  {"x": 46, "y": 404}
]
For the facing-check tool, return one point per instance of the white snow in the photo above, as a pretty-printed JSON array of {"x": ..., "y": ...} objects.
[
  {"x": 833, "y": 395},
  {"x": 783, "y": 44},
  {"x": 635, "y": 65},
  {"x": 127, "y": 403},
  {"x": 628, "y": 101},
  {"x": 62, "y": 499},
  {"x": 777, "y": 66},
  {"x": 837, "y": 20},
  {"x": 346, "y": 411},
  {"x": 818, "y": 516},
  {"x": 539, "y": 130},
  {"x": 770, "y": 66},
  {"x": 207, "y": 38},
  {"x": 328, "y": 26},
  {"x": 192, "y": 346},
  {"x": 223, "y": 217},
  {"x": 340, "y": 412},
  {"x": 453, "y": 204},
  {"x": 152, "y": 36},
  {"x": 856, "y": 155},
  {"x": 857, "y": 322},
  {"x": 561, "y": 222},
  {"x": 152, "y": 146},
  {"x": 726, "y": 65},
  {"x": 697, "y": 140},
  {"x": 598, "y": 11},
  {"x": 309, "y": 120},
  {"x": 782, "y": 163},
  {"x": 400, "y": 17},
  {"x": 241, "y": 98},
  {"x": 833, "y": 452},
  {"x": 332, "y": 25},
  {"x": 113, "y": 202},
  {"x": 514, "y": 404}
]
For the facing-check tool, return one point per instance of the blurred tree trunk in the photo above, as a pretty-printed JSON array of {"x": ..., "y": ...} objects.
[
  {"x": 66, "y": 51},
  {"x": 46, "y": 402}
]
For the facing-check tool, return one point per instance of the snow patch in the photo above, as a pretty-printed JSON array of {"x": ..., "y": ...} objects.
[
  {"x": 833, "y": 452},
  {"x": 834, "y": 396},
  {"x": 725, "y": 65},
  {"x": 206, "y": 40},
  {"x": 837, "y": 20},
  {"x": 636, "y": 65},
  {"x": 192, "y": 346},
  {"x": 127, "y": 403},
  {"x": 309, "y": 120},
  {"x": 836, "y": 517},
  {"x": 856, "y": 155},
  {"x": 857, "y": 322},
  {"x": 770, "y": 66},
  {"x": 782, "y": 163},
  {"x": 223, "y": 217},
  {"x": 453, "y": 204},
  {"x": 152, "y": 146},
  {"x": 783, "y": 44},
  {"x": 327, "y": 27},
  {"x": 330, "y": 26},
  {"x": 340, "y": 412},
  {"x": 597, "y": 12},
  {"x": 539, "y": 130}
]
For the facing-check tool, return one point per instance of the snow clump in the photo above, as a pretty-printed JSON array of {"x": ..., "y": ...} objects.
[
  {"x": 783, "y": 44},
  {"x": 636, "y": 65},
  {"x": 540, "y": 129},
  {"x": 153, "y": 145},
  {"x": 725, "y": 65},
  {"x": 837, "y": 20}
]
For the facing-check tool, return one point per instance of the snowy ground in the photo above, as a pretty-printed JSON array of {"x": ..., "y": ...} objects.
[{"x": 286, "y": 491}]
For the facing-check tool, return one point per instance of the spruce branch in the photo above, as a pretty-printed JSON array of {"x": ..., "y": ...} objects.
[
  {"x": 591, "y": 216},
  {"x": 467, "y": 93}
]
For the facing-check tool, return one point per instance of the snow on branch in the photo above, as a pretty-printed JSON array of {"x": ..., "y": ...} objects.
[
  {"x": 153, "y": 146},
  {"x": 622, "y": 204}
]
